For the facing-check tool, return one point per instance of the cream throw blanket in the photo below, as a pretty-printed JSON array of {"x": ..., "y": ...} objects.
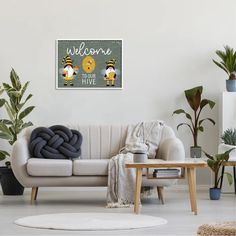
[{"x": 121, "y": 181}]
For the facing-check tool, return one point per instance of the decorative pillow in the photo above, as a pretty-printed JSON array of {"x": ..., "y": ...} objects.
[{"x": 55, "y": 142}]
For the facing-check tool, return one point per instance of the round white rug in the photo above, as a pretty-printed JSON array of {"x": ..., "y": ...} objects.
[{"x": 90, "y": 221}]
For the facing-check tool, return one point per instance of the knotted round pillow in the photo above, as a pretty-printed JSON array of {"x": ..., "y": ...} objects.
[{"x": 55, "y": 142}]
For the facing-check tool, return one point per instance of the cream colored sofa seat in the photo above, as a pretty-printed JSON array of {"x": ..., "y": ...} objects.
[{"x": 100, "y": 142}]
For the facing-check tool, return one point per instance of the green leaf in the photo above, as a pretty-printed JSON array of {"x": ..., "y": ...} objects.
[
  {"x": 221, "y": 66},
  {"x": 209, "y": 119},
  {"x": 24, "y": 89},
  {"x": 201, "y": 128},
  {"x": 181, "y": 124},
  {"x": 6, "y": 122},
  {"x": 229, "y": 177},
  {"x": 10, "y": 112},
  {"x": 193, "y": 97},
  {"x": 2, "y": 102},
  {"x": 181, "y": 111},
  {"x": 205, "y": 102},
  {"x": 6, "y": 86},
  {"x": 4, "y": 128},
  {"x": 208, "y": 156},
  {"x": 15, "y": 81},
  {"x": 26, "y": 112},
  {"x": 3, "y": 155},
  {"x": 19, "y": 106},
  {"x": 5, "y": 136},
  {"x": 15, "y": 94}
]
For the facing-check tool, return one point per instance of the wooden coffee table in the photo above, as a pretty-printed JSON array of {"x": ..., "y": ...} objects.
[{"x": 189, "y": 164}]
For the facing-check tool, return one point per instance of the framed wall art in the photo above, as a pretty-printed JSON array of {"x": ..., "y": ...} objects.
[{"x": 89, "y": 64}]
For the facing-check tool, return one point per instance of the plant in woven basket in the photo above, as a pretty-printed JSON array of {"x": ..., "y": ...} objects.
[
  {"x": 229, "y": 137},
  {"x": 15, "y": 107}
]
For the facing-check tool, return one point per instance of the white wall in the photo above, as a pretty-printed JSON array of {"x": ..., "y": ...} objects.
[{"x": 168, "y": 46}]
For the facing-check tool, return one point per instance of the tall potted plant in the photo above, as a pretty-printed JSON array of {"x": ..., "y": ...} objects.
[
  {"x": 195, "y": 122},
  {"x": 10, "y": 128},
  {"x": 215, "y": 163},
  {"x": 228, "y": 64}
]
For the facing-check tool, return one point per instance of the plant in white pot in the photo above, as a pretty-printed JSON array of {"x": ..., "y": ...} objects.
[
  {"x": 215, "y": 163},
  {"x": 229, "y": 141},
  {"x": 194, "y": 120},
  {"x": 228, "y": 64},
  {"x": 10, "y": 128}
]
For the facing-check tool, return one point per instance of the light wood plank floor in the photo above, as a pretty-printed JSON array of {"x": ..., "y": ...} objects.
[{"x": 176, "y": 210}]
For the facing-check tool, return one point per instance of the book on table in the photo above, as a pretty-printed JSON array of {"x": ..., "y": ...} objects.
[{"x": 166, "y": 172}]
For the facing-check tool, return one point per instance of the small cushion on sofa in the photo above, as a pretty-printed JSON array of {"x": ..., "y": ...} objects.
[
  {"x": 49, "y": 167},
  {"x": 90, "y": 167}
]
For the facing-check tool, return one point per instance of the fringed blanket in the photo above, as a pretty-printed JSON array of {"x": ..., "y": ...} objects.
[{"x": 121, "y": 181}]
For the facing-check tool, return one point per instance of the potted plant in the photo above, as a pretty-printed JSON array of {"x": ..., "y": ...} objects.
[
  {"x": 195, "y": 123},
  {"x": 215, "y": 163},
  {"x": 10, "y": 128},
  {"x": 228, "y": 64},
  {"x": 229, "y": 141}
]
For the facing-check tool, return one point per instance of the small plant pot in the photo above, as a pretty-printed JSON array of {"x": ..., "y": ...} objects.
[
  {"x": 10, "y": 185},
  {"x": 231, "y": 85},
  {"x": 214, "y": 193},
  {"x": 140, "y": 157},
  {"x": 195, "y": 152}
]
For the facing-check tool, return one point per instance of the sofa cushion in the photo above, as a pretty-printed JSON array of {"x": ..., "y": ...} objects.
[
  {"x": 49, "y": 167},
  {"x": 90, "y": 167}
]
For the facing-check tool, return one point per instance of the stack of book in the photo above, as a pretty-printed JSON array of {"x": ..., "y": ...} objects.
[{"x": 166, "y": 173}]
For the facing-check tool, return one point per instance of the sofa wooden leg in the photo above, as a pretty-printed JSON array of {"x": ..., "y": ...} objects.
[
  {"x": 160, "y": 194},
  {"x": 34, "y": 194}
]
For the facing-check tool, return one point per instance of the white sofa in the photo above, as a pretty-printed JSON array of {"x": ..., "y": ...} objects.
[{"x": 100, "y": 142}]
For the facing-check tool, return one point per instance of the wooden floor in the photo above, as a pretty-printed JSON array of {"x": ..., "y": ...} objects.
[{"x": 176, "y": 210}]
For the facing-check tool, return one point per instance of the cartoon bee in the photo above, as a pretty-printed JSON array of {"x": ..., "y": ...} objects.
[
  {"x": 110, "y": 73},
  {"x": 69, "y": 71}
]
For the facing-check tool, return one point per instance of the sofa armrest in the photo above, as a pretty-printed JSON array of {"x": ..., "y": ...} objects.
[
  {"x": 19, "y": 157},
  {"x": 171, "y": 149}
]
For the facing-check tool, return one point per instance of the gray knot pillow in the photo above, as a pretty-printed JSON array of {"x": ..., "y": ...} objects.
[{"x": 55, "y": 142}]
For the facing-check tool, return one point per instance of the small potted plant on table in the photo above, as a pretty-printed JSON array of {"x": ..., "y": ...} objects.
[
  {"x": 215, "y": 163},
  {"x": 228, "y": 64},
  {"x": 229, "y": 142},
  {"x": 10, "y": 128},
  {"x": 195, "y": 123}
]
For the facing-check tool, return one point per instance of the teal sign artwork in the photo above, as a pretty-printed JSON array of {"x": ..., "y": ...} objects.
[{"x": 85, "y": 64}]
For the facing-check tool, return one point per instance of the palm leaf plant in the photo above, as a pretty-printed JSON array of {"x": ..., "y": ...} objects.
[
  {"x": 215, "y": 163},
  {"x": 228, "y": 61},
  {"x": 194, "y": 120},
  {"x": 15, "y": 108}
]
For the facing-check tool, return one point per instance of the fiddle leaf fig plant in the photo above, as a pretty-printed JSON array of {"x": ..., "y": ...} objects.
[
  {"x": 228, "y": 61},
  {"x": 215, "y": 163},
  {"x": 3, "y": 154},
  {"x": 14, "y": 106},
  {"x": 194, "y": 120}
]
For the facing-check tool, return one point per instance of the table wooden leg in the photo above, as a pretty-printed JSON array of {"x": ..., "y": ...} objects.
[
  {"x": 191, "y": 172},
  {"x": 234, "y": 179},
  {"x": 137, "y": 190},
  {"x": 222, "y": 176}
]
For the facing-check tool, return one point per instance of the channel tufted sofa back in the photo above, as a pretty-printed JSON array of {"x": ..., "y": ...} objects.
[{"x": 104, "y": 141}]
